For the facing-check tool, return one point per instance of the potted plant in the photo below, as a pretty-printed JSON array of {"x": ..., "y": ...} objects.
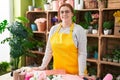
[
  {"x": 95, "y": 29},
  {"x": 116, "y": 55},
  {"x": 107, "y": 27},
  {"x": 84, "y": 25},
  {"x": 41, "y": 45},
  {"x": 104, "y": 57},
  {"x": 109, "y": 57},
  {"x": 47, "y": 5},
  {"x": 88, "y": 20},
  {"x": 20, "y": 41}
]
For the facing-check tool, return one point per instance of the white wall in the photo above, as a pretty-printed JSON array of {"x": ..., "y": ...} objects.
[{"x": 6, "y": 12}]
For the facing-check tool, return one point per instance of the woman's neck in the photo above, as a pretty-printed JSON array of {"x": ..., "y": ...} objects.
[{"x": 66, "y": 24}]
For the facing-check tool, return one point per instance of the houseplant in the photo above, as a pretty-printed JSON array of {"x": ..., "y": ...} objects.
[
  {"x": 88, "y": 20},
  {"x": 107, "y": 27},
  {"x": 20, "y": 41},
  {"x": 41, "y": 45},
  {"x": 116, "y": 55}
]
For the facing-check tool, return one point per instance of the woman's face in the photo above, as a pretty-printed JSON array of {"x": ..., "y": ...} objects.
[{"x": 65, "y": 14}]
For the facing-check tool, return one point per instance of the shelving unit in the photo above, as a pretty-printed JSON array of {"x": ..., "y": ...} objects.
[{"x": 102, "y": 41}]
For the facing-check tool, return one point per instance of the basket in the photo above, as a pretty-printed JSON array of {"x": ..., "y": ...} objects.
[{"x": 90, "y": 4}]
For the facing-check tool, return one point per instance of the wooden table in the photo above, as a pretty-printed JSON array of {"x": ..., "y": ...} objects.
[{"x": 6, "y": 77}]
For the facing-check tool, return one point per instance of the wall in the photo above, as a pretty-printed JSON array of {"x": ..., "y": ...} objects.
[{"x": 20, "y": 8}]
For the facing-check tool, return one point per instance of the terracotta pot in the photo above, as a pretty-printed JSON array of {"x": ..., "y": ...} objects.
[{"x": 41, "y": 24}]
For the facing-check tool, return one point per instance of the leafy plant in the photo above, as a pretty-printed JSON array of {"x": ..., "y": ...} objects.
[
  {"x": 41, "y": 44},
  {"x": 108, "y": 25},
  {"x": 21, "y": 40},
  {"x": 74, "y": 17},
  {"x": 88, "y": 17},
  {"x": 84, "y": 25},
  {"x": 4, "y": 66},
  {"x": 3, "y": 25},
  {"x": 116, "y": 53}
]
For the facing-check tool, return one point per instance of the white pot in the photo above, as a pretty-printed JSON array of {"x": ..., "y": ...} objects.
[
  {"x": 107, "y": 31},
  {"x": 40, "y": 49},
  {"x": 94, "y": 31},
  {"x": 47, "y": 7}
]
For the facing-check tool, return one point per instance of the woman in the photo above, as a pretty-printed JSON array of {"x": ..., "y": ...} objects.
[{"x": 66, "y": 44}]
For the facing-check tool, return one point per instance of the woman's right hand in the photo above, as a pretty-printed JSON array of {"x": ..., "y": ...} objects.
[{"x": 38, "y": 68}]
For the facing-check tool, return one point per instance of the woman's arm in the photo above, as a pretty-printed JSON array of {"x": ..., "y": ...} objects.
[{"x": 82, "y": 50}]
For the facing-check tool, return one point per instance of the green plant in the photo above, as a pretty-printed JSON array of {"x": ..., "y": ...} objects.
[
  {"x": 3, "y": 25},
  {"x": 74, "y": 17},
  {"x": 116, "y": 54},
  {"x": 4, "y": 66},
  {"x": 41, "y": 44},
  {"x": 20, "y": 41},
  {"x": 88, "y": 18},
  {"x": 95, "y": 26},
  {"x": 108, "y": 25},
  {"x": 84, "y": 25}
]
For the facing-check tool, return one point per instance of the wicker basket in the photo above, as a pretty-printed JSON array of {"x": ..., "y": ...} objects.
[{"x": 90, "y": 4}]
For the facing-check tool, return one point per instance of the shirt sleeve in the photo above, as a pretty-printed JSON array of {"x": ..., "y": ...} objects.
[{"x": 82, "y": 50}]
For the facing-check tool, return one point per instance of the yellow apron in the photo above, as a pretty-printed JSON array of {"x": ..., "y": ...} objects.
[{"x": 65, "y": 54}]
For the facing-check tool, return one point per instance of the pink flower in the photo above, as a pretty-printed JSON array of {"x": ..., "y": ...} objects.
[
  {"x": 95, "y": 16},
  {"x": 42, "y": 20}
]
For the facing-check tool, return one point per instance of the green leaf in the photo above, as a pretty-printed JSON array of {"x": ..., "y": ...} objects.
[{"x": 22, "y": 19}]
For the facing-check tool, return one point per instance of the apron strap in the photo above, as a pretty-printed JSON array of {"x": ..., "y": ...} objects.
[{"x": 71, "y": 28}]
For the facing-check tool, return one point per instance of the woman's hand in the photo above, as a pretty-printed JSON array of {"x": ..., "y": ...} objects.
[
  {"x": 89, "y": 78},
  {"x": 38, "y": 68}
]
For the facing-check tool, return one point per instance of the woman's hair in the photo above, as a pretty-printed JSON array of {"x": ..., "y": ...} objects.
[{"x": 67, "y": 5}]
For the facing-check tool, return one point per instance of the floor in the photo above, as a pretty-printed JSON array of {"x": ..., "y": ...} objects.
[{"x": 6, "y": 77}]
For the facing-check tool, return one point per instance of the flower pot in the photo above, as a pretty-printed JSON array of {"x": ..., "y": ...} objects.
[
  {"x": 41, "y": 24},
  {"x": 104, "y": 59},
  {"x": 94, "y": 31},
  {"x": 107, "y": 31},
  {"x": 55, "y": 5},
  {"x": 33, "y": 27},
  {"x": 109, "y": 59},
  {"x": 40, "y": 49},
  {"x": 114, "y": 60},
  {"x": 47, "y": 6}
]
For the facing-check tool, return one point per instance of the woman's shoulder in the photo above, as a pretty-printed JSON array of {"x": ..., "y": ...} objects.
[{"x": 53, "y": 28}]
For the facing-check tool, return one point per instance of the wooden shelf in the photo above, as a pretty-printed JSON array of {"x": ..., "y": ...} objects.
[
  {"x": 110, "y": 36},
  {"x": 110, "y": 63},
  {"x": 92, "y": 35},
  {"x": 43, "y": 32},
  {"x": 103, "y": 42},
  {"x": 38, "y": 52},
  {"x": 92, "y": 60}
]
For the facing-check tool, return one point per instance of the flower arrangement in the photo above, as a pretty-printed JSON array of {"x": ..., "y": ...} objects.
[
  {"x": 54, "y": 20},
  {"x": 94, "y": 21},
  {"x": 117, "y": 17},
  {"x": 116, "y": 14}
]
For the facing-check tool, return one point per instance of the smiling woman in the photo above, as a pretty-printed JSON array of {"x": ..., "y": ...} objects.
[{"x": 6, "y": 8}]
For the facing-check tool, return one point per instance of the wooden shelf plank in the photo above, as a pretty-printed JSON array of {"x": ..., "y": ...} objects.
[
  {"x": 110, "y": 63},
  {"x": 92, "y": 60},
  {"x": 37, "y": 52},
  {"x": 110, "y": 36}
]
